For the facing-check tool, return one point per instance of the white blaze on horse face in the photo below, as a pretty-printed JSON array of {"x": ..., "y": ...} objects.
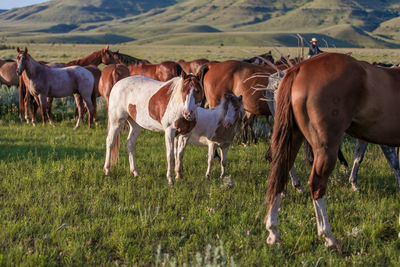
[
  {"x": 229, "y": 118},
  {"x": 189, "y": 107},
  {"x": 20, "y": 59}
]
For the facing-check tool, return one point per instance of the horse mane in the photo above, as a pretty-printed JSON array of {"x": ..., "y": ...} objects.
[{"x": 127, "y": 59}]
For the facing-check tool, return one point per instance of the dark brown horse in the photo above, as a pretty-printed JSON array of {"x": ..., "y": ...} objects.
[
  {"x": 192, "y": 66},
  {"x": 261, "y": 59},
  {"x": 110, "y": 75},
  {"x": 163, "y": 72},
  {"x": 320, "y": 99},
  {"x": 127, "y": 59}
]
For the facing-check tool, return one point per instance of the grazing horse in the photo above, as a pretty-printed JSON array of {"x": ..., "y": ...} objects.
[
  {"x": 162, "y": 72},
  {"x": 320, "y": 99},
  {"x": 104, "y": 56},
  {"x": 110, "y": 75},
  {"x": 169, "y": 107},
  {"x": 214, "y": 128},
  {"x": 43, "y": 81},
  {"x": 192, "y": 66}
]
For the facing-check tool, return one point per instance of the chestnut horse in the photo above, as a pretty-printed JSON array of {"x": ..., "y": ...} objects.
[
  {"x": 320, "y": 99},
  {"x": 104, "y": 56},
  {"x": 192, "y": 66},
  {"x": 43, "y": 81},
  {"x": 169, "y": 107},
  {"x": 162, "y": 72},
  {"x": 214, "y": 128},
  {"x": 110, "y": 75},
  {"x": 127, "y": 59}
]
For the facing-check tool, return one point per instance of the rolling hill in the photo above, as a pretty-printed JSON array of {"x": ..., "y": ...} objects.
[{"x": 349, "y": 23}]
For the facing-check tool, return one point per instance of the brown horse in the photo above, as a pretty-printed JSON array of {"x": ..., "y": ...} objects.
[
  {"x": 110, "y": 75},
  {"x": 162, "y": 72},
  {"x": 320, "y": 99},
  {"x": 43, "y": 81},
  {"x": 127, "y": 59},
  {"x": 104, "y": 56},
  {"x": 8, "y": 72},
  {"x": 192, "y": 66}
]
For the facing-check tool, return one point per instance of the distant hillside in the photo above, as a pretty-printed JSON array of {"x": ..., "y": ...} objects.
[{"x": 350, "y": 23}]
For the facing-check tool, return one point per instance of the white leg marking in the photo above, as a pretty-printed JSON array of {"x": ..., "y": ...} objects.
[
  {"x": 134, "y": 132},
  {"x": 169, "y": 144},
  {"x": 211, "y": 151},
  {"x": 272, "y": 221},
  {"x": 324, "y": 228},
  {"x": 295, "y": 180}
]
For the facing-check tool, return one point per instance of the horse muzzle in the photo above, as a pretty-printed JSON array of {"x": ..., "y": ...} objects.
[
  {"x": 189, "y": 115},
  {"x": 19, "y": 72}
]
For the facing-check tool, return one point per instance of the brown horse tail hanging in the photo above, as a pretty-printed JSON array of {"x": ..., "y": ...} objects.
[
  {"x": 178, "y": 70},
  {"x": 203, "y": 70},
  {"x": 282, "y": 137}
]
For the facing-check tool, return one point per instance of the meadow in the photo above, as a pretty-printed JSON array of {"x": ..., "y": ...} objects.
[{"x": 58, "y": 208}]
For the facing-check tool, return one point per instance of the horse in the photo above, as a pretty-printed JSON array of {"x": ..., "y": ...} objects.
[
  {"x": 168, "y": 107},
  {"x": 319, "y": 100},
  {"x": 8, "y": 72},
  {"x": 214, "y": 128},
  {"x": 192, "y": 66},
  {"x": 104, "y": 56},
  {"x": 261, "y": 59},
  {"x": 110, "y": 75},
  {"x": 127, "y": 59},
  {"x": 43, "y": 81},
  {"x": 163, "y": 71}
]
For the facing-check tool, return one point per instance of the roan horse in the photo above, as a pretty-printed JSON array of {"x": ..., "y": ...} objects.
[
  {"x": 320, "y": 99},
  {"x": 43, "y": 81},
  {"x": 214, "y": 128},
  {"x": 168, "y": 107}
]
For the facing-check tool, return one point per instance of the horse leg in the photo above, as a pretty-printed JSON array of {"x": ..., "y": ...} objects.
[
  {"x": 224, "y": 151},
  {"x": 79, "y": 106},
  {"x": 48, "y": 110},
  {"x": 89, "y": 106},
  {"x": 295, "y": 180},
  {"x": 359, "y": 151},
  {"x": 180, "y": 145},
  {"x": 251, "y": 130},
  {"x": 324, "y": 162},
  {"x": 210, "y": 157},
  {"x": 43, "y": 108},
  {"x": 169, "y": 144},
  {"x": 134, "y": 131},
  {"x": 393, "y": 160},
  {"x": 271, "y": 222}
]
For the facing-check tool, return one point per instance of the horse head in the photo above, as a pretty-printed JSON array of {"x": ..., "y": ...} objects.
[
  {"x": 191, "y": 94},
  {"x": 21, "y": 60},
  {"x": 107, "y": 56},
  {"x": 233, "y": 109}
]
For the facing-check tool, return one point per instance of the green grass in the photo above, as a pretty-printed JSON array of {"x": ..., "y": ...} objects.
[{"x": 58, "y": 208}]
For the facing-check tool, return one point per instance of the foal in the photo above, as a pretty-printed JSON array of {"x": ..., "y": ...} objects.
[
  {"x": 168, "y": 107},
  {"x": 214, "y": 128}
]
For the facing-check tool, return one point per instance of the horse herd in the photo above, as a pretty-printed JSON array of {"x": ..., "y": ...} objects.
[{"x": 316, "y": 100}]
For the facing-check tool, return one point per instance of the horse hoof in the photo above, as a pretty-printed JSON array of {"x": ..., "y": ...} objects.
[
  {"x": 283, "y": 194},
  {"x": 134, "y": 173},
  {"x": 107, "y": 172},
  {"x": 355, "y": 187},
  {"x": 273, "y": 239},
  {"x": 332, "y": 243},
  {"x": 300, "y": 189},
  {"x": 170, "y": 182}
]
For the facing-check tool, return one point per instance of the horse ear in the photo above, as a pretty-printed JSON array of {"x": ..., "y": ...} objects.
[
  {"x": 26, "y": 50},
  {"x": 107, "y": 47},
  {"x": 183, "y": 74},
  {"x": 18, "y": 50}
]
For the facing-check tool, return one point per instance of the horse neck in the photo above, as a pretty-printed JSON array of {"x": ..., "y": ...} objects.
[
  {"x": 32, "y": 67},
  {"x": 92, "y": 59}
]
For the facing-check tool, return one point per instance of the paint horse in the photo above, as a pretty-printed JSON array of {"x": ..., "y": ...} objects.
[
  {"x": 43, "y": 81},
  {"x": 214, "y": 128},
  {"x": 169, "y": 107},
  {"x": 360, "y": 147},
  {"x": 319, "y": 100}
]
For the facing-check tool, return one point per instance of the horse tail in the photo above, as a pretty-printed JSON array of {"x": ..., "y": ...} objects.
[
  {"x": 203, "y": 70},
  {"x": 282, "y": 138}
]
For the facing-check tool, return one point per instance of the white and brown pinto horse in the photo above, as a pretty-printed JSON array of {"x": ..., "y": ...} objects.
[
  {"x": 215, "y": 128},
  {"x": 43, "y": 81},
  {"x": 169, "y": 107},
  {"x": 319, "y": 100}
]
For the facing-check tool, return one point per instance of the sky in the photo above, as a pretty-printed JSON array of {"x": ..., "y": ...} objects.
[{"x": 8, "y": 4}]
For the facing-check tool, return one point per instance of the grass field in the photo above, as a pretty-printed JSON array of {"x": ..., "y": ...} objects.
[{"x": 58, "y": 208}]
